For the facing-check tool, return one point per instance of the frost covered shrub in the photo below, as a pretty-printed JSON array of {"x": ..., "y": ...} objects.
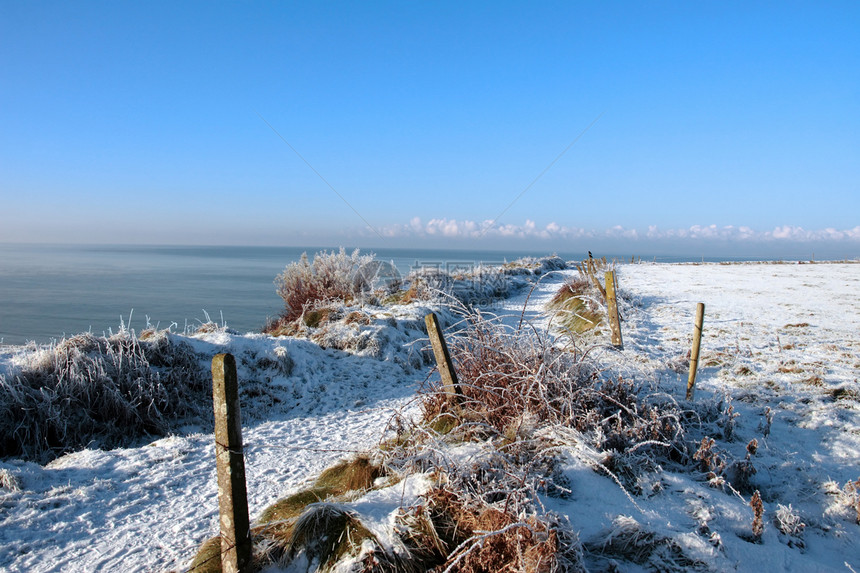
[
  {"x": 330, "y": 276},
  {"x": 481, "y": 285},
  {"x": 510, "y": 376},
  {"x": 535, "y": 265},
  {"x": 9, "y": 481},
  {"x": 94, "y": 389},
  {"x": 473, "y": 286},
  {"x": 629, "y": 540},
  {"x": 789, "y": 523}
]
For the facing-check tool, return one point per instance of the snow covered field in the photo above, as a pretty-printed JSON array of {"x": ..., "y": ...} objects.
[{"x": 779, "y": 336}]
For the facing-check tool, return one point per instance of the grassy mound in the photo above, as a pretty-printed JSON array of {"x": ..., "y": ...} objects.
[
  {"x": 89, "y": 389},
  {"x": 310, "y": 522},
  {"x": 579, "y": 305}
]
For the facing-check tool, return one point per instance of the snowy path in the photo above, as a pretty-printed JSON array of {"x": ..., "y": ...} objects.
[{"x": 149, "y": 508}]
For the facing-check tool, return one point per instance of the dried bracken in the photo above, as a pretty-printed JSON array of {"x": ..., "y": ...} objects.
[
  {"x": 758, "y": 515},
  {"x": 510, "y": 376}
]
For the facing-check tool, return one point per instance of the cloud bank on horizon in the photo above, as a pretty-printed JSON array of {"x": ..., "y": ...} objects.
[{"x": 466, "y": 229}]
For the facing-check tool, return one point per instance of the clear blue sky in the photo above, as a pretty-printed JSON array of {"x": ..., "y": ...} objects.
[{"x": 140, "y": 122}]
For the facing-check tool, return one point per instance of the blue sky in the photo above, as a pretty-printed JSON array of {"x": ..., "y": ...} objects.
[{"x": 729, "y": 125}]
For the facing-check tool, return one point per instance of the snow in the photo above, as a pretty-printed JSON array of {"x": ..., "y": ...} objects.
[{"x": 778, "y": 336}]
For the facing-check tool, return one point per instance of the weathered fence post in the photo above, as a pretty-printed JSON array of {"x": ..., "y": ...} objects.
[
  {"x": 443, "y": 359},
  {"x": 592, "y": 273},
  {"x": 694, "y": 353},
  {"x": 230, "y": 460},
  {"x": 612, "y": 307}
]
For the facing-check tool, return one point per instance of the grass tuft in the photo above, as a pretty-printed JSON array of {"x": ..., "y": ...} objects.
[
  {"x": 579, "y": 305},
  {"x": 10, "y": 481},
  {"x": 357, "y": 474},
  {"x": 627, "y": 539},
  {"x": 327, "y": 533},
  {"x": 109, "y": 391}
]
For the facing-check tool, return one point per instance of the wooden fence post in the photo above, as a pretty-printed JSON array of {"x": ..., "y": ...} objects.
[
  {"x": 443, "y": 359},
  {"x": 694, "y": 353},
  {"x": 230, "y": 460},
  {"x": 612, "y": 307},
  {"x": 592, "y": 273}
]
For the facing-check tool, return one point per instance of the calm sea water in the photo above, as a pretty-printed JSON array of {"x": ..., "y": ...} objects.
[{"x": 47, "y": 292}]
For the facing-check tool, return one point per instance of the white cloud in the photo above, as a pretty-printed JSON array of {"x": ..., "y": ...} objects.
[{"x": 468, "y": 229}]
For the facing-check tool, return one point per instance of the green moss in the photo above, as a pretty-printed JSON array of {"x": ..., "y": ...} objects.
[
  {"x": 443, "y": 423},
  {"x": 314, "y": 318}
]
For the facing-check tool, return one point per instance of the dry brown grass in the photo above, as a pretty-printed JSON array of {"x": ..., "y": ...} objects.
[
  {"x": 208, "y": 557},
  {"x": 511, "y": 380},
  {"x": 576, "y": 307},
  {"x": 578, "y": 304},
  {"x": 758, "y": 514},
  {"x": 357, "y": 474},
  {"x": 453, "y": 533}
]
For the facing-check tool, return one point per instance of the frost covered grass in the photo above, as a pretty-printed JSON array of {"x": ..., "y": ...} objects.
[
  {"x": 758, "y": 474},
  {"x": 107, "y": 391},
  {"x": 316, "y": 293},
  {"x": 579, "y": 305},
  {"x": 487, "y": 456},
  {"x": 330, "y": 276},
  {"x": 337, "y": 304}
]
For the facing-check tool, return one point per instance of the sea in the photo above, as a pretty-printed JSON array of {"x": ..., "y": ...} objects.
[{"x": 48, "y": 292}]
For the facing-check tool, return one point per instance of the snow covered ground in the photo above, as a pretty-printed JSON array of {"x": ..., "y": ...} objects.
[{"x": 784, "y": 337}]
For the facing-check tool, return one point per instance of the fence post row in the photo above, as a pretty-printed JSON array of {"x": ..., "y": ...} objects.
[
  {"x": 443, "y": 359},
  {"x": 230, "y": 460},
  {"x": 612, "y": 308},
  {"x": 694, "y": 352}
]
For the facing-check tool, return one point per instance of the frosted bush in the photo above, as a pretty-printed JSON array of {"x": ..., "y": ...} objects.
[
  {"x": 331, "y": 276},
  {"x": 9, "y": 481},
  {"x": 788, "y": 521},
  {"x": 95, "y": 389}
]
